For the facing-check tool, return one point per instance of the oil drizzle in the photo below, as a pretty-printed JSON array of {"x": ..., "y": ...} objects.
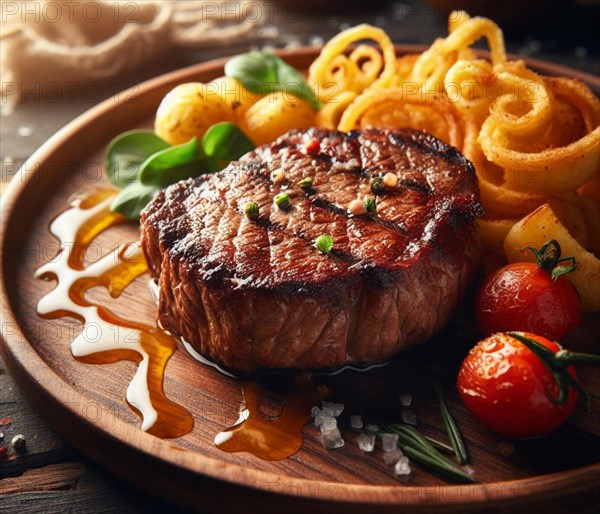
[
  {"x": 107, "y": 337},
  {"x": 271, "y": 438}
]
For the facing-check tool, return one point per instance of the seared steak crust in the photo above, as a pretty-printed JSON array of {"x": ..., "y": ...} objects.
[{"x": 258, "y": 294}]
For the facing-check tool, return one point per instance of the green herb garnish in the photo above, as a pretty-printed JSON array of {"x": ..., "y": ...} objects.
[
  {"x": 222, "y": 143},
  {"x": 283, "y": 201},
  {"x": 370, "y": 204},
  {"x": 377, "y": 185},
  {"x": 171, "y": 165},
  {"x": 251, "y": 210},
  {"x": 417, "y": 447},
  {"x": 264, "y": 73},
  {"x": 451, "y": 428},
  {"x": 443, "y": 467},
  {"x": 324, "y": 243},
  {"x": 130, "y": 202},
  {"x": 141, "y": 163},
  {"x": 440, "y": 445},
  {"x": 125, "y": 154},
  {"x": 306, "y": 183}
]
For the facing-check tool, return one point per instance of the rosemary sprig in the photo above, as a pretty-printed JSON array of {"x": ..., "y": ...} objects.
[
  {"x": 416, "y": 446},
  {"x": 451, "y": 429},
  {"x": 440, "y": 445},
  {"x": 444, "y": 468}
]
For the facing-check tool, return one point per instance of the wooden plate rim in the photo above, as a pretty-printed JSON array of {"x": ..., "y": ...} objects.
[{"x": 46, "y": 386}]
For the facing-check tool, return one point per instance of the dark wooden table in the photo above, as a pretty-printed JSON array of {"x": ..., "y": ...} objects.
[{"x": 50, "y": 475}]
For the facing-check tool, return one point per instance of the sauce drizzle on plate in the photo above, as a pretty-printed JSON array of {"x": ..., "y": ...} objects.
[
  {"x": 107, "y": 337},
  {"x": 271, "y": 438}
]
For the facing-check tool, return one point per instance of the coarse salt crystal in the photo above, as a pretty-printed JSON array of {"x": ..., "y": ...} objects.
[
  {"x": 405, "y": 399},
  {"x": 389, "y": 442},
  {"x": 371, "y": 427},
  {"x": 392, "y": 457},
  {"x": 402, "y": 467},
  {"x": 366, "y": 442},
  {"x": 356, "y": 422},
  {"x": 409, "y": 417},
  {"x": 332, "y": 409},
  {"x": 332, "y": 439},
  {"x": 319, "y": 419},
  {"x": 314, "y": 411},
  {"x": 328, "y": 423}
]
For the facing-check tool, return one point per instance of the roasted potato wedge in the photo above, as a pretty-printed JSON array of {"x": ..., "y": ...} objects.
[{"x": 539, "y": 227}]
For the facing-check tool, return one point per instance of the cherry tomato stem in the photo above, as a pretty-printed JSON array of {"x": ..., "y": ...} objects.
[{"x": 548, "y": 258}]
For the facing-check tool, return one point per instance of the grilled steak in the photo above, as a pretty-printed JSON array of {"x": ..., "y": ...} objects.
[{"x": 258, "y": 293}]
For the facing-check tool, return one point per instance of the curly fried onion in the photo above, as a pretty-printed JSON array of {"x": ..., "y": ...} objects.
[
  {"x": 363, "y": 68},
  {"x": 434, "y": 63},
  {"x": 393, "y": 108},
  {"x": 512, "y": 142}
]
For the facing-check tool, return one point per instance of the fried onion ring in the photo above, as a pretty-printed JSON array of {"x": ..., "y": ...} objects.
[
  {"x": 553, "y": 170},
  {"x": 391, "y": 108},
  {"x": 472, "y": 85},
  {"x": 333, "y": 69},
  {"x": 434, "y": 63},
  {"x": 330, "y": 114}
]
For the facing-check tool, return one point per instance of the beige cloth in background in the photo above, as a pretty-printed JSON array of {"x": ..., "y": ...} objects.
[{"x": 61, "y": 42}]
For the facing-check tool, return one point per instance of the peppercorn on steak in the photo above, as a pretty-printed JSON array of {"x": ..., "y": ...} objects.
[{"x": 246, "y": 271}]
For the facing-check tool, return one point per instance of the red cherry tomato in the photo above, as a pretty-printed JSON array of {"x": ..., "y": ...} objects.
[
  {"x": 522, "y": 296},
  {"x": 509, "y": 390}
]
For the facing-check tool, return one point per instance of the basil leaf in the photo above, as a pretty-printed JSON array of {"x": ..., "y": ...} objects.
[
  {"x": 222, "y": 143},
  {"x": 131, "y": 201},
  {"x": 126, "y": 152},
  {"x": 264, "y": 73},
  {"x": 254, "y": 70},
  {"x": 171, "y": 165},
  {"x": 293, "y": 83}
]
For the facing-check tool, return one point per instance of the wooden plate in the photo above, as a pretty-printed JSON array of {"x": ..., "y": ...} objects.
[{"x": 86, "y": 402}]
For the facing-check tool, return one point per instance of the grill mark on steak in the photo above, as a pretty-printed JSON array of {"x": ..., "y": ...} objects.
[
  {"x": 415, "y": 186},
  {"x": 253, "y": 175},
  {"x": 392, "y": 225},
  {"x": 319, "y": 201},
  {"x": 430, "y": 144}
]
